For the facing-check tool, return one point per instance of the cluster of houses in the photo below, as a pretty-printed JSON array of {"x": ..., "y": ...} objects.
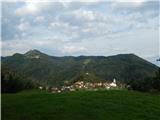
[{"x": 81, "y": 85}]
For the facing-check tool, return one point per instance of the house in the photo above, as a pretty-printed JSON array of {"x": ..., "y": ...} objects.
[
  {"x": 87, "y": 73},
  {"x": 113, "y": 84},
  {"x": 108, "y": 87},
  {"x": 40, "y": 87},
  {"x": 59, "y": 91}
]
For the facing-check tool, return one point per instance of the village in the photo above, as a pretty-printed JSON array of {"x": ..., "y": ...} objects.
[{"x": 81, "y": 85}]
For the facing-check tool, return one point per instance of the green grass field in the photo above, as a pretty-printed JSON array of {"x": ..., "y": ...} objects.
[{"x": 84, "y": 105}]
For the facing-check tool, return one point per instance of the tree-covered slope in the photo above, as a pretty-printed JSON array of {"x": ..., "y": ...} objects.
[
  {"x": 14, "y": 81},
  {"x": 55, "y": 70}
]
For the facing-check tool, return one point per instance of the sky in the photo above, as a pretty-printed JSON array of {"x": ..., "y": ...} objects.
[{"x": 76, "y": 28}]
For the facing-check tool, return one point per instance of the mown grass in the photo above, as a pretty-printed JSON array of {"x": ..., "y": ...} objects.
[{"x": 82, "y": 105}]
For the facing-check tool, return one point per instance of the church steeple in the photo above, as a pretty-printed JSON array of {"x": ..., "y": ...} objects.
[{"x": 114, "y": 80}]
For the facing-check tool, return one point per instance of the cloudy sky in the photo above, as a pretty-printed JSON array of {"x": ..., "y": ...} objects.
[{"x": 81, "y": 28}]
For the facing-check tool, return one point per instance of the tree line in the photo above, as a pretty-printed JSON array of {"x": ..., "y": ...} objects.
[
  {"x": 13, "y": 81},
  {"x": 147, "y": 84}
]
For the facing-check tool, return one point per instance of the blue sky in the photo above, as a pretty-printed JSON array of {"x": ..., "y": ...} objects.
[{"x": 81, "y": 28}]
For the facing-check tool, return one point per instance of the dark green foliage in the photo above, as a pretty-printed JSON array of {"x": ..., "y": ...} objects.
[
  {"x": 86, "y": 77},
  {"x": 148, "y": 84},
  {"x": 144, "y": 85},
  {"x": 12, "y": 82},
  {"x": 156, "y": 81},
  {"x": 55, "y": 70},
  {"x": 99, "y": 105}
]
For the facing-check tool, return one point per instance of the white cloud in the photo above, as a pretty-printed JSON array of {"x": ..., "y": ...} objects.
[
  {"x": 15, "y": 46},
  {"x": 71, "y": 49},
  {"x": 82, "y": 28},
  {"x": 32, "y": 8},
  {"x": 23, "y": 26},
  {"x": 28, "y": 8},
  {"x": 21, "y": 46},
  {"x": 138, "y": 1},
  {"x": 85, "y": 14},
  {"x": 89, "y": 0},
  {"x": 39, "y": 19},
  {"x": 59, "y": 24}
]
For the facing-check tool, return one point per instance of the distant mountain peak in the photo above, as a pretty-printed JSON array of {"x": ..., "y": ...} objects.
[
  {"x": 34, "y": 51},
  {"x": 17, "y": 54},
  {"x": 34, "y": 54}
]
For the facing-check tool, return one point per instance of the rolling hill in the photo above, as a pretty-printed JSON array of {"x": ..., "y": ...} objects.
[{"x": 54, "y": 71}]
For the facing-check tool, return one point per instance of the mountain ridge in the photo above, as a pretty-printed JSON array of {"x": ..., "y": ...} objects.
[
  {"x": 35, "y": 51},
  {"x": 55, "y": 70}
]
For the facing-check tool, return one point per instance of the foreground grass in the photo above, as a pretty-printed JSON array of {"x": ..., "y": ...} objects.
[{"x": 84, "y": 105}]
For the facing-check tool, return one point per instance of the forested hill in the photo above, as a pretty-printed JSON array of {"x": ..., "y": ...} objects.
[{"x": 56, "y": 70}]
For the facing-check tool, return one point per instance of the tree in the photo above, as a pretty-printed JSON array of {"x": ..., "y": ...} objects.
[
  {"x": 156, "y": 82},
  {"x": 12, "y": 81}
]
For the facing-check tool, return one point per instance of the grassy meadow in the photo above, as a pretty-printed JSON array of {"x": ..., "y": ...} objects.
[{"x": 81, "y": 105}]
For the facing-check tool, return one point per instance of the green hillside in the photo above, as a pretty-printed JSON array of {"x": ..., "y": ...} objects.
[
  {"x": 55, "y": 70},
  {"x": 82, "y": 105}
]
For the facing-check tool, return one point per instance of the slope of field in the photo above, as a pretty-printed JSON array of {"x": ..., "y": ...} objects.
[{"x": 96, "y": 105}]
